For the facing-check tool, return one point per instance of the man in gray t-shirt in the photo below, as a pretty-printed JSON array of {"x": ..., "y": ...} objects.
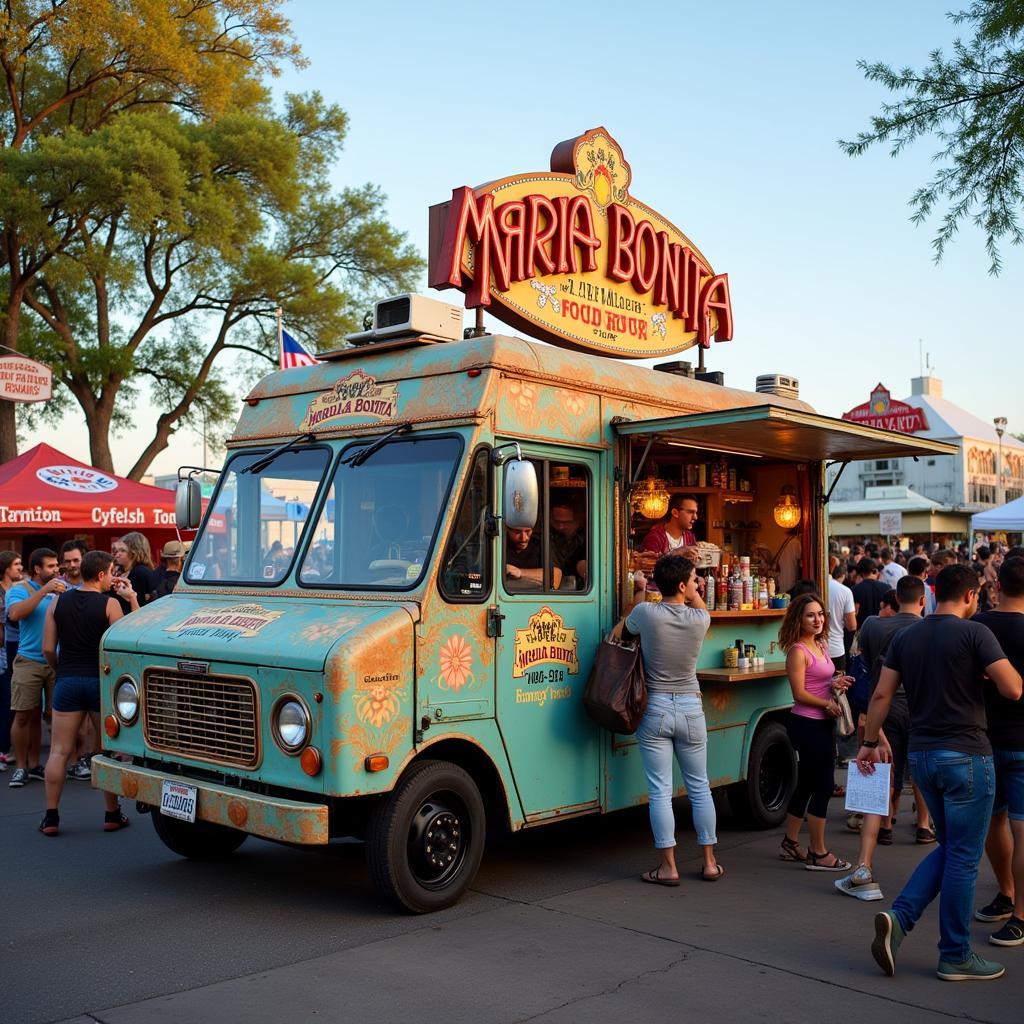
[{"x": 671, "y": 633}]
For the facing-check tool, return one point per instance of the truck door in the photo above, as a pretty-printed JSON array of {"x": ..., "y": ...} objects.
[{"x": 548, "y": 586}]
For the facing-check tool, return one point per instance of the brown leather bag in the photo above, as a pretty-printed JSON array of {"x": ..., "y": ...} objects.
[{"x": 616, "y": 693}]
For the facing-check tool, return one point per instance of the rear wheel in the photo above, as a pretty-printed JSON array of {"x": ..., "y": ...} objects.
[
  {"x": 200, "y": 840},
  {"x": 426, "y": 838},
  {"x": 760, "y": 800}
]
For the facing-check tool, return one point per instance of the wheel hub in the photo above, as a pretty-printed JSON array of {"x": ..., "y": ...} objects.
[
  {"x": 437, "y": 843},
  {"x": 441, "y": 843}
]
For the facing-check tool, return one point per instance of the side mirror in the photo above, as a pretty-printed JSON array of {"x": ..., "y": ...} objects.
[
  {"x": 521, "y": 495},
  {"x": 188, "y": 504}
]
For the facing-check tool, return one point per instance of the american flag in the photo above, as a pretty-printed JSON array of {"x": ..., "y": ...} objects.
[{"x": 293, "y": 354}]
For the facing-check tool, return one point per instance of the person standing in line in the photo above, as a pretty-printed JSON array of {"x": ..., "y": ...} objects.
[
  {"x": 918, "y": 566},
  {"x": 75, "y": 624},
  {"x": 134, "y": 559},
  {"x": 868, "y": 591},
  {"x": 875, "y": 637},
  {"x": 27, "y": 603},
  {"x": 811, "y": 727},
  {"x": 71, "y": 554},
  {"x": 671, "y": 632},
  {"x": 842, "y": 615},
  {"x": 891, "y": 571},
  {"x": 940, "y": 662},
  {"x": 1005, "y": 845},
  {"x": 10, "y": 573}
]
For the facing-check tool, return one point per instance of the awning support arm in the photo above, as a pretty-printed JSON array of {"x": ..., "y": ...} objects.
[
  {"x": 842, "y": 466},
  {"x": 640, "y": 466}
]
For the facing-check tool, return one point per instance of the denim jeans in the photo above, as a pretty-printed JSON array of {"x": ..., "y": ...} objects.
[
  {"x": 1010, "y": 782},
  {"x": 958, "y": 789},
  {"x": 674, "y": 723}
]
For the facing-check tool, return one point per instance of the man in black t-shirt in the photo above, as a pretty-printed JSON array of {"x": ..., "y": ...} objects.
[
  {"x": 1005, "y": 846},
  {"x": 524, "y": 561},
  {"x": 868, "y": 591},
  {"x": 941, "y": 661}
]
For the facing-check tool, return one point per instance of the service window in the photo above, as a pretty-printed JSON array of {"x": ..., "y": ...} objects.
[
  {"x": 555, "y": 554},
  {"x": 466, "y": 566}
]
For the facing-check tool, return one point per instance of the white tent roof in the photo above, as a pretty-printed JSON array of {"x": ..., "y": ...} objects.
[
  {"x": 885, "y": 499},
  {"x": 1006, "y": 517}
]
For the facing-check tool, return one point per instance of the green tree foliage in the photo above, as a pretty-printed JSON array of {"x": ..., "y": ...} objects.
[
  {"x": 973, "y": 103},
  {"x": 156, "y": 209}
]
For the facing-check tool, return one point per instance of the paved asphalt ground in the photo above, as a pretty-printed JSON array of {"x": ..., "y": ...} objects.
[{"x": 113, "y": 928}]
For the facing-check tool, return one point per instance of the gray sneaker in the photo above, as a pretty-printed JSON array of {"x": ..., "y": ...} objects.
[
  {"x": 889, "y": 936},
  {"x": 974, "y": 968},
  {"x": 860, "y": 884},
  {"x": 81, "y": 769},
  {"x": 18, "y": 778}
]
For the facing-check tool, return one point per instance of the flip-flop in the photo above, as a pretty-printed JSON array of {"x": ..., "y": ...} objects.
[
  {"x": 654, "y": 878},
  {"x": 719, "y": 871}
]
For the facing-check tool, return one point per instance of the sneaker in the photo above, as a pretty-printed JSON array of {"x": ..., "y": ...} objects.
[
  {"x": 924, "y": 836},
  {"x": 50, "y": 825},
  {"x": 998, "y": 910},
  {"x": 885, "y": 837},
  {"x": 974, "y": 968},
  {"x": 1011, "y": 934},
  {"x": 18, "y": 778},
  {"x": 38, "y": 773},
  {"x": 888, "y": 938},
  {"x": 854, "y": 821},
  {"x": 114, "y": 821},
  {"x": 81, "y": 769},
  {"x": 860, "y": 884}
]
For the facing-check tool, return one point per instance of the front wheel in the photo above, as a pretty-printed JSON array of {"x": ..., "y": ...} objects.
[
  {"x": 200, "y": 840},
  {"x": 760, "y": 800},
  {"x": 426, "y": 838}
]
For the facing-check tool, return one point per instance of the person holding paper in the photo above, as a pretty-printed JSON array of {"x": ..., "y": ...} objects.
[
  {"x": 940, "y": 662},
  {"x": 875, "y": 637}
]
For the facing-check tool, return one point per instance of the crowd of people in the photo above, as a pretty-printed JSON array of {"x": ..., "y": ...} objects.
[
  {"x": 940, "y": 698},
  {"x": 54, "y": 613}
]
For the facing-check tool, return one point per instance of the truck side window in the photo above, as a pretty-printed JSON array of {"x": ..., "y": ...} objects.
[
  {"x": 466, "y": 567},
  {"x": 554, "y": 555}
]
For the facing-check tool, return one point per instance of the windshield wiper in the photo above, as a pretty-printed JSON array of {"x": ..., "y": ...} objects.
[
  {"x": 261, "y": 464},
  {"x": 359, "y": 457}
]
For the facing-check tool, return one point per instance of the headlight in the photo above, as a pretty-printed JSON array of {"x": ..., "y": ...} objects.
[
  {"x": 291, "y": 725},
  {"x": 126, "y": 700}
]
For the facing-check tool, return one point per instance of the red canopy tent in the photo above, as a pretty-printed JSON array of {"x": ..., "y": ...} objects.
[{"x": 47, "y": 497}]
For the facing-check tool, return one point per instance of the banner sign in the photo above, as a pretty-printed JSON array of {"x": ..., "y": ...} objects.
[
  {"x": 882, "y": 412},
  {"x": 572, "y": 258},
  {"x": 357, "y": 395},
  {"x": 24, "y": 380}
]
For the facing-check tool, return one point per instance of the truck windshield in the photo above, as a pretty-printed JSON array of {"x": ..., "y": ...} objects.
[
  {"x": 381, "y": 516},
  {"x": 258, "y": 517}
]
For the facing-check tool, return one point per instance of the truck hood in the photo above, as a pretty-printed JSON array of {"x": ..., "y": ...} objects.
[{"x": 278, "y": 630}]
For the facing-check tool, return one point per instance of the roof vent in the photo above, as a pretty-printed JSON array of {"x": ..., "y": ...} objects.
[
  {"x": 411, "y": 314},
  {"x": 679, "y": 367},
  {"x": 780, "y": 384}
]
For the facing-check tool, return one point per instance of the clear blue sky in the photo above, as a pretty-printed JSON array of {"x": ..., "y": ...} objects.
[{"x": 729, "y": 115}]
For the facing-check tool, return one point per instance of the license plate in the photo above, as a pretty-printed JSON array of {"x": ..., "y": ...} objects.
[{"x": 178, "y": 800}]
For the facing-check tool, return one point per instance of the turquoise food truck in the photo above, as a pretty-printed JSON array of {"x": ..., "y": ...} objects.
[{"x": 386, "y": 669}]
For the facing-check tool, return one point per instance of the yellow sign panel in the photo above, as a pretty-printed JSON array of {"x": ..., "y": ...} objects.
[
  {"x": 546, "y": 640},
  {"x": 240, "y": 620},
  {"x": 359, "y": 396},
  {"x": 573, "y": 258}
]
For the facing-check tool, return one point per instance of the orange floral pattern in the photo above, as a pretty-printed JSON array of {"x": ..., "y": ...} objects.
[
  {"x": 376, "y": 705},
  {"x": 456, "y": 664},
  {"x": 524, "y": 396}
]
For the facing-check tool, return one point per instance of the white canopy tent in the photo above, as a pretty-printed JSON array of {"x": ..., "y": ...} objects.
[{"x": 1008, "y": 517}]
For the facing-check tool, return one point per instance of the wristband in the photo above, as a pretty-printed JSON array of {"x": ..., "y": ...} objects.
[{"x": 870, "y": 744}]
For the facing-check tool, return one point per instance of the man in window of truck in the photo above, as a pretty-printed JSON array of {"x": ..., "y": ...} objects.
[
  {"x": 568, "y": 544},
  {"x": 524, "y": 567},
  {"x": 675, "y": 535}
]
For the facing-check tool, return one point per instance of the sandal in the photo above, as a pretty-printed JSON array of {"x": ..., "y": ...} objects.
[
  {"x": 838, "y": 791},
  {"x": 814, "y": 862},
  {"x": 654, "y": 877},
  {"x": 719, "y": 871},
  {"x": 790, "y": 850},
  {"x": 114, "y": 821}
]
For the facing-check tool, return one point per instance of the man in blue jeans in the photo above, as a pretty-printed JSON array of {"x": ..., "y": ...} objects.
[{"x": 941, "y": 661}]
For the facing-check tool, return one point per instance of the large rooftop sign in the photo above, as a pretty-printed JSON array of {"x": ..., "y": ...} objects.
[
  {"x": 572, "y": 258},
  {"x": 881, "y": 411}
]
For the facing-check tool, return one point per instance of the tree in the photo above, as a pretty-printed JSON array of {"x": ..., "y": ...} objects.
[
  {"x": 70, "y": 67},
  {"x": 974, "y": 103},
  {"x": 187, "y": 236}
]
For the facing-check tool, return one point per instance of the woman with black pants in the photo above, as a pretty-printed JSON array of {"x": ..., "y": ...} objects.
[{"x": 811, "y": 726}]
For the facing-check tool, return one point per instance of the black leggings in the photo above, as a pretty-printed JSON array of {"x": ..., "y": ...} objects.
[{"x": 815, "y": 777}]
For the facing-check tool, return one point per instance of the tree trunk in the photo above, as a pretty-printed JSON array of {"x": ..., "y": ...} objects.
[
  {"x": 99, "y": 437},
  {"x": 8, "y": 428},
  {"x": 161, "y": 439}
]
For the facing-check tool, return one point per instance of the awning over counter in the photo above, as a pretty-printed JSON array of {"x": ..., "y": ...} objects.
[{"x": 774, "y": 431}]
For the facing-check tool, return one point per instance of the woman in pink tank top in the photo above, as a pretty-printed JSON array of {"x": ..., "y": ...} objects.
[{"x": 811, "y": 724}]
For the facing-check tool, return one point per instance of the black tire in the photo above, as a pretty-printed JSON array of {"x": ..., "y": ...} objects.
[
  {"x": 197, "y": 841},
  {"x": 760, "y": 800},
  {"x": 426, "y": 838}
]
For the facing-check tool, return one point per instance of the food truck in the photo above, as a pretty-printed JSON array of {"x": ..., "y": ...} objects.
[{"x": 408, "y": 670}]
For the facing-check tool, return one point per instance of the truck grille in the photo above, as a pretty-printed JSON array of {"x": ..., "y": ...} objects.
[{"x": 209, "y": 718}]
